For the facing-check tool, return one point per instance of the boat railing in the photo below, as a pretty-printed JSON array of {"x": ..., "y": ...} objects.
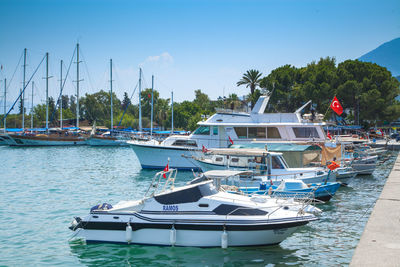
[{"x": 169, "y": 177}]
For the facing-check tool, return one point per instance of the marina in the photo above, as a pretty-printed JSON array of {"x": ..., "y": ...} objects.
[
  {"x": 70, "y": 180},
  {"x": 200, "y": 133}
]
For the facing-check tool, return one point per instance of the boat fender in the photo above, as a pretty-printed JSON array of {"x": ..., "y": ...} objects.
[
  {"x": 224, "y": 239},
  {"x": 172, "y": 235},
  {"x": 128, "y": 233}
]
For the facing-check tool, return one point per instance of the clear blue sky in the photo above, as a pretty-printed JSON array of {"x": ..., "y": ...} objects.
[{"x": 187, "y": 45}]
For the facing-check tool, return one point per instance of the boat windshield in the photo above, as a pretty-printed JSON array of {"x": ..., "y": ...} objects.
[
  {"x": 187, "y": 195},
  {"x": 276, "y": 163},
  {"x": 202, "y": 130}
]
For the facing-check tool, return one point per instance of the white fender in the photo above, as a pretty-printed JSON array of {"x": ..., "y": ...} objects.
[
  {"x": 224, "y": 239},
  {"x": 128, "y": 233},
  {"x": 172, "y": 236}
]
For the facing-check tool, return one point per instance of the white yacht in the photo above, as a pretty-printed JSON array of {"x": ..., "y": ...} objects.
[
  {"x": 196, "y": 215},
  {"x": 227, "y": 127},
  {"x": 266, "y": 166}
]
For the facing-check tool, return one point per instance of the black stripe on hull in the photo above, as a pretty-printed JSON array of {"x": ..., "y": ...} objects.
[
  {"x": 121, "y": 226},
  {"x": 161, "y": 245}
]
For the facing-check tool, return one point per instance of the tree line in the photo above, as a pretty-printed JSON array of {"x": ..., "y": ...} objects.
[{"x": 367, "y": 92}]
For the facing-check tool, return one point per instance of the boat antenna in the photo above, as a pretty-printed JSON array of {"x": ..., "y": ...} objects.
[
  {"x": 47, "y": 92},
  {"x": 23, "y": 93},
  {"x": 152, "y": 104},
  {"x": 111, "y": 96},
  {"x": 77, "y": 85},
  {"x": 172, "y": 112},
  {"x": 5, "y": 107},
  {"x": 140, "y": 99},
  {"x": 33, "y": 84},
  {"x": 61, "y": 87}
]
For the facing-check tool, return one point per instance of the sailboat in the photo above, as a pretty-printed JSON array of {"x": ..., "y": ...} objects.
[
  {"x": 111, "y": 138},
  {"x": 52, "y": 137}
]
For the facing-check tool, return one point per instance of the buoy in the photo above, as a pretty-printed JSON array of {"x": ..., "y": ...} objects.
[
  {"x": 172, "y": 236},
  {"x": 224, "y": 239},
  {"x": 128, "y": 233}
]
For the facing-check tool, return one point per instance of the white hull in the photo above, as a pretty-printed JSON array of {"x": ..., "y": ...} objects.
[
  {"x": 365, "y": 165},
  {"x": 307, "y": 178},
  {"x": 189, "y": 238},
  {"x": 156, "y": 157}
]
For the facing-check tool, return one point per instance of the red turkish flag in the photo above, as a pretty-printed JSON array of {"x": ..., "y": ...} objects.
[
  {"x": 230, "y": 140},
  {"x": 166, "y": 169},
  {"x": 335, "y": 106}
]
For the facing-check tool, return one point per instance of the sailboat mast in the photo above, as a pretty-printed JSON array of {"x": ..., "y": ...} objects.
[
  {"x": 5, "y": 101},
  {"x": 61, "y": 102},
  {"x": 151, "y": 119},
  {"x": 33, "y": 84},
  {"x": 140, "y": 99},
  {"x": 77, "y": 85},
  {"x": 47, "y": 92},
  {"x": 23, "y": 93},
  {"x": 172, "y": 112},
  {"x": 111, "y": 96}
]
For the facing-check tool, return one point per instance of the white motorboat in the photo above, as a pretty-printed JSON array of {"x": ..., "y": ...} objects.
[
  {"x": 227, "y": 127},
  {"x": 193, "y": 215},
  {"x": 363, "y": 165},
  {"x": 345, "y": 172},
  {"x": 265, "y": 165}
]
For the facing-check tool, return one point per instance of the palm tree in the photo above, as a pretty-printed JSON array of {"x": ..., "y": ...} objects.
[{"x": 251, "y": 79}]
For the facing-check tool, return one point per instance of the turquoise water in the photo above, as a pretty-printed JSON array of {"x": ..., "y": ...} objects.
[{"x": 41, "y": 189}]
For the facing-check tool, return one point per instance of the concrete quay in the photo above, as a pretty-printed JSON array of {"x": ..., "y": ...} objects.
[{"x": 380, "y": 242}]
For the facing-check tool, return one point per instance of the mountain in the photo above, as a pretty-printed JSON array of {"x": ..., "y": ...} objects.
[{"x": 386, "y": 55}]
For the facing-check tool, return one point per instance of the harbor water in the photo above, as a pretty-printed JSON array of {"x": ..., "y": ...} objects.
[{"x": 41, "y": 189}]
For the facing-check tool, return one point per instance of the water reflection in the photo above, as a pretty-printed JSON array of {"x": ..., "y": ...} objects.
[{"x": 135, "y": 255}]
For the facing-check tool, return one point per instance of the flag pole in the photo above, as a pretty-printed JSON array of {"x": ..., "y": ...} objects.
[{"x": 330, "y": 103}]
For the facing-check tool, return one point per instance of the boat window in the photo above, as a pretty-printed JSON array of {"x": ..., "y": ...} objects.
[
  {"x": 273, "y": 132},
  {"x": 226, "y": 209},
  {"x": 192, "y": 194},
  {"x": 235, "y": 160},
  {"x": 218, "y": 159},
  {"x": 284, "y": 162},
  {"x": 185, "y": 143},
  {"x": 256, "y": 132},
  {"x": 305, "y": 132},
  {"x": 215, "y": 130},
  {"x": 191, "y": 143},
  {"x": 241, "y": 132},
  {"x": 207, "y": 189},
  {"x": 276, "y": 163},
  {"x": 203, "y": 130}
]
